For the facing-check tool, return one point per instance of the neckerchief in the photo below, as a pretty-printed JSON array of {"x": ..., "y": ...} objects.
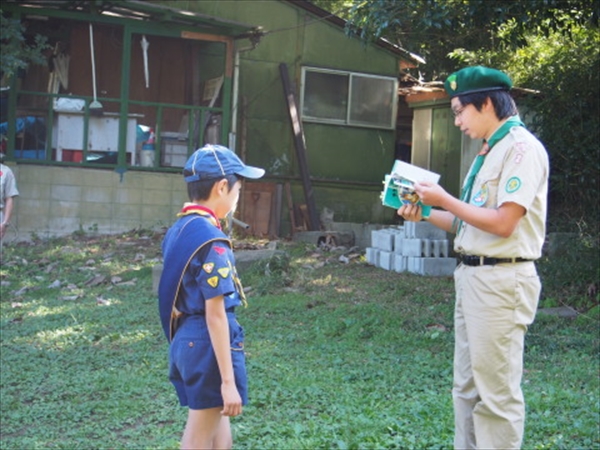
[
  {"x": 503, "y": 130},
  {"x": 192, "y": 208}
]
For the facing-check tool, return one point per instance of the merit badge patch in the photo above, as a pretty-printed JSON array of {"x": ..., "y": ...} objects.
[
  {"x": 224, "y": 272},
  {"x": 208, "y": 267},
  {"x": 513, "y": 184},
  {"x": 219, "y": 250},
  {"x": 213, "y": 281},
  {"x": 481, "y": 197}
]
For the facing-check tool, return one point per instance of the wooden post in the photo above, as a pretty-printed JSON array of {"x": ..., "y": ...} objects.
[{"x": 300, "y": 145}]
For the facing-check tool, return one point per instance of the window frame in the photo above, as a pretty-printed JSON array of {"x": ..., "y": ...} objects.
[{"x": 348, "y": 121}]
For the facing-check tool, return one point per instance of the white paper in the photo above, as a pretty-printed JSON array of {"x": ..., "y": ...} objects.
[{"x": 414, "y": 173}]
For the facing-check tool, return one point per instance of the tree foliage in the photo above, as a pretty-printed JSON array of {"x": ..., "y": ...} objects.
[
  {"x": 434, "y": 29},
  {"x": 551, "y": 46},
  {"x": 17, "y": 52},
  {"x": 567, "y": 118}
]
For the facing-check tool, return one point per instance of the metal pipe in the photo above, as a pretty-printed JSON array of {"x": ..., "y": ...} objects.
[{"x": 239, "y": 223}]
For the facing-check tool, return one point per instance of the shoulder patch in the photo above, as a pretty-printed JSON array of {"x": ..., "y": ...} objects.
[
  {"x": 213, "y": 281},
  {"x": 219, "y": 250},
  {"x": 224, "y": 272},
  {"x": 513, "y": 185},
  {"x": 208, "y": 267}
]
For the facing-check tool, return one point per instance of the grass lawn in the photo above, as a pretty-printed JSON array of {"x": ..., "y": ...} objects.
[{"x": 339, "y": 355}]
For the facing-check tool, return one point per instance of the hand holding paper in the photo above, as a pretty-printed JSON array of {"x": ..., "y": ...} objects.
[{"x": 399, "y": 186}]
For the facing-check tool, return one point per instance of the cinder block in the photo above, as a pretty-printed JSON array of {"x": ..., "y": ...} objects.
[
  {"x": 386, "y": 260},
  {"x": 426, "y": 248},
  {"x": 411, "y": 247},
  {"x": 383, "y": 239},
  {"x": 400, "y": 262},
  {"x": 413, "y": 264},
  {"x": 437, "y": 267},
  {"x": 374, "y": 238},
  {"x": 372, "y": 255},
  {"x": 398, "y": 239},
  {"x": 436, "y": 250},
  {"x": 426, "y": 230},
  {"x": 440, "y": 248},
  {"x": 409, "y": 230}
]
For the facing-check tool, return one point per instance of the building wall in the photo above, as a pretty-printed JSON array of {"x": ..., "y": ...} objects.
[
  {"x": 337, "y": 155},
  {"x": 56, "y": 201},
  {"x": 349, "y": 162}
]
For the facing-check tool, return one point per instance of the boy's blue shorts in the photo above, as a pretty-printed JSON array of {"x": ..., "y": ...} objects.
[{"x": 193, "y": 368}]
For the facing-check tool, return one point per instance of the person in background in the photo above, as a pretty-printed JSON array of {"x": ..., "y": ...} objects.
[
  {"x": 8, "y": 191},
  {"x": 198, "y": 293},
  {"x": 499, "y": 222}
]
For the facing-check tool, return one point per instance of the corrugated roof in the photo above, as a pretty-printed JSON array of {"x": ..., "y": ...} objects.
[{"x": 137, "y": 10}]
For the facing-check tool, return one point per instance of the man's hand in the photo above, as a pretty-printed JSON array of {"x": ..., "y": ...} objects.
[
  {"x": 430, "y": 193},
  {"x": 411, "y": 212}
]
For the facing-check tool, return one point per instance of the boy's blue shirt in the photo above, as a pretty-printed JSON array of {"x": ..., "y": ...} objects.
[{"x": 214, "y": 275}]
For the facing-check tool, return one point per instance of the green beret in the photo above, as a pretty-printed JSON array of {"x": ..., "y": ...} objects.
[{"x": 476, "y": 79}]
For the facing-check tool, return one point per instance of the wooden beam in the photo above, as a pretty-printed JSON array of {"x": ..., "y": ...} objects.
[{"x": 300, "y": 145}]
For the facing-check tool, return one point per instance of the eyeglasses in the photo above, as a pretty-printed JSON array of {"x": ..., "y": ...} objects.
[{"x": 458, "y": 112}]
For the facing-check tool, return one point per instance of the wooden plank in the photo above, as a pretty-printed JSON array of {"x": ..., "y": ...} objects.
[
  {"x": 288, "y": 196},
  {"x": 258, "y": 204},
  {"x": 300, "y": 145}
]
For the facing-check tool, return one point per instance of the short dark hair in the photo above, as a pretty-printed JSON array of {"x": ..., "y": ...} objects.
[
  {"x": 504, "y": 104},
  {"x": 200, "y": 190}
]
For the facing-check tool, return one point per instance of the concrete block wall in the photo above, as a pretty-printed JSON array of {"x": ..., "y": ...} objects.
[
  {"x": 415, "y": 247},
  {"x": 55, "y": 201}
]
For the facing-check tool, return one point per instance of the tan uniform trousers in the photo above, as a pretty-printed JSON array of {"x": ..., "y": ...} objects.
[{"x": 494, "y": 306}]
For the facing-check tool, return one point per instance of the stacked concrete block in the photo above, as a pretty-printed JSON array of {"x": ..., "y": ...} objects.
[
  {"x": 372, "y": 255},
  {"x": 415, "y": 247}
]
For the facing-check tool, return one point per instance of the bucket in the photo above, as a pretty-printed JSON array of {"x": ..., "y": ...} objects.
[{"x": 147, "y": 154}]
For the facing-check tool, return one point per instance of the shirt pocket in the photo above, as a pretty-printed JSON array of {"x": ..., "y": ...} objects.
[{"x": 485, "y": 189}]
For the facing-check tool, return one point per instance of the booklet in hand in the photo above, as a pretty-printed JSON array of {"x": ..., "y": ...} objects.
[{"x": 399, "y": 186}]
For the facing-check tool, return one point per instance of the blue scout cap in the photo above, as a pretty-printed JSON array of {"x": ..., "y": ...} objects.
[
  {"x": 216, "y": 161},
  {"x": 476, "y": 79}
]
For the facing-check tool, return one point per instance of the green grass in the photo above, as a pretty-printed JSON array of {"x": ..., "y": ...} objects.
[{"x": 339, "y": 356}]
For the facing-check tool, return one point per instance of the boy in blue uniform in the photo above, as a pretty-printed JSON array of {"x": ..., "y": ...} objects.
[{"x": 198, "y": 293}]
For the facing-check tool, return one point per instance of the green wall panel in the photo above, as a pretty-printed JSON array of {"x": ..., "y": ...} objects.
[
  {"x": 351, "y": 154},
  {"x": 349, "y": 205},
  {"x": 445, "y": 149}
]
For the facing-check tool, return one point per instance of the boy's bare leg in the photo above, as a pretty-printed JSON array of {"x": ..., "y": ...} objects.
[
  {"x": 223, "y": 439},
  {"x": 206, "y": 429}
]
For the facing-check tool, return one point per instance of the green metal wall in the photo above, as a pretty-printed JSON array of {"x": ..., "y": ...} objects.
[
  {"x": 348, "y": 162},
  {"x": 446, "y": 144}
]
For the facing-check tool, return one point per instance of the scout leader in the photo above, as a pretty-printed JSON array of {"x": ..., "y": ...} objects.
[{"x": 499, "y": 223}]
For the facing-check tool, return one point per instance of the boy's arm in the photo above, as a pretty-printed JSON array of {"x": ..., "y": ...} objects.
[
  {"x": 8, "y": 207},
  {"x": 218, "y": 329}
]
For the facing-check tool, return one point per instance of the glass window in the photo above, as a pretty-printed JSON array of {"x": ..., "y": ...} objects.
[
  {"x": 348, "y": 98},
  {"x": 325, "y": 96}
]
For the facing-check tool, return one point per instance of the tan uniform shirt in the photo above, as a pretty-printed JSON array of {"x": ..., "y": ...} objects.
[{"x": 515, "y": 170}]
